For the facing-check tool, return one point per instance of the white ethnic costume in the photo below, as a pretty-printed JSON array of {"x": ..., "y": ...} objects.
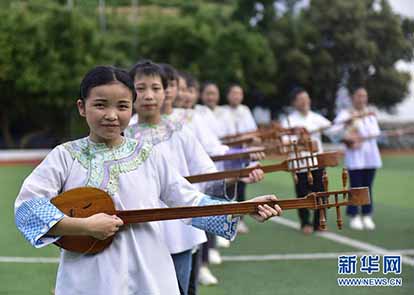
[
  {"x": 136, "y": 176},
  {"x": 183, "y": 152},
  {"x": 200, "y": 129},
  {"x": 219, "y": 120},
  {"x": 242, "y": 118},
  {"x": 367, "y": 156}
]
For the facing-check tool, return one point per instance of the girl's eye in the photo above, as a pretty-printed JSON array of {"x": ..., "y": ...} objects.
[
  {"x": 99, "y": 105},
  {"x": 125, "y": 106}
]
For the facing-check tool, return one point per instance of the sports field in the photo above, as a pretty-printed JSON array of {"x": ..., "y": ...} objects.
[{"x": 268, "y": 260}]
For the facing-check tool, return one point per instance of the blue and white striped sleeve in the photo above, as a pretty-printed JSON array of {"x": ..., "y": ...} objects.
[
  {"x": 34, "y": 213},
  {"x": 34, "y": 218},
  {"x": 221, "y": 225}
]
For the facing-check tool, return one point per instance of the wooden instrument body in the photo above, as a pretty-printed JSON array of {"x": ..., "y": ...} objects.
[{"x": 82, "y": 203}]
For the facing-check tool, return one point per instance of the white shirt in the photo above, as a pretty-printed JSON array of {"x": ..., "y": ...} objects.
[
  {"x": 207, "y": 116},
  {"x": 311, "y": 121},
  {"x": 223, "y": 122},
  {"x": 367, "y": 156},
  {"x": 200, "y": 129},
  {"x": 242, "y": 117}
]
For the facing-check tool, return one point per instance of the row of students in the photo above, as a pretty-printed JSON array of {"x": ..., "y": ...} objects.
[
  {"x": 136, "y": 174},
  {"x": 202, "y": 121}
]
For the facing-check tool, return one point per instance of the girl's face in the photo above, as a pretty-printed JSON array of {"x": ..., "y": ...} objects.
[
  {"x": 302, "y": 102},
  {"x": 107, "y": 109},
  {"x": 235, "y": 96},
  {"x": 150, "y": 96},
  {"x": 360, "y": 99},
  {"x": 191, "y": 98},
  {"x": 183, "y": 94},
  {"x": 171, "y": 91},
  {"x": 210, "y": 96}
]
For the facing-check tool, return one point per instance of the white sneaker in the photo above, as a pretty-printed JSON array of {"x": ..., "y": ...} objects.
[
  {"x": 368, "y": 222},
  {"x": 356, "y": 223},
  {"x": 206, "y": 278},
  {"x": 222, "y": 242},
  {"x": 214, "y": 256}
]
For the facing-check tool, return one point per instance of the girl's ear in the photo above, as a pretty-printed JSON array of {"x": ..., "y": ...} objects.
[{"x": 81, "y": 107}]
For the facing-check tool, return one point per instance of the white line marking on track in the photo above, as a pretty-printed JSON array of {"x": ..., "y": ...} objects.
[
  {"x": 12, "y": 259},
  {"x": 269, "y": 257},
  {"x": 345, "y": 240}
]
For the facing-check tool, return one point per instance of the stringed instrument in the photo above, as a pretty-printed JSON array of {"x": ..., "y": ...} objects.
[
  {"x": 357, "y": 141},
  {"x": 264, "y": 136},
  {"x": 276, "y": 148},
  {"x": 328, "y": 159},
  {"x": 274, "y": 126},
  {"x": 347, "y": 121},
  {"x": 87, "y": 201}
]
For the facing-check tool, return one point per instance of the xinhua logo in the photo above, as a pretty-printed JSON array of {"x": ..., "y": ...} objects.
[{"x": 370, "y": 265}]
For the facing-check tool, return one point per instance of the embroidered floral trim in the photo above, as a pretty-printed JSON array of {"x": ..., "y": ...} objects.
[
  {"x": 180, "y": 116},
  {"x": 105, "y": 164}
]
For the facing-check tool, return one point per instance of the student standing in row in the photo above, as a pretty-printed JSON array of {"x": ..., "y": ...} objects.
[
  {"x": 362, "y": 156},
  {"x": 302, "y": 117}
]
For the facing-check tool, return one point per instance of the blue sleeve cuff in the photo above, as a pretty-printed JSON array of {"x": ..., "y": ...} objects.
[
  {"x": 222, "y": 225},
  {"x": 34, "y": 218}
]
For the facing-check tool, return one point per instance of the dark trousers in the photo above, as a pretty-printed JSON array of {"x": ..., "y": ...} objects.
[
  {"x": 359, "y": 178},
  {"x": 195, "y": 267},
  {"x": 211, "y": 243},
  {"x": 236, "y": 193},
  {"x": 302, "y": 189}
]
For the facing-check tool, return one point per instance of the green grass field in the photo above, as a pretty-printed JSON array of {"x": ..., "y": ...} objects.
[{"x": 394, "y": 216}]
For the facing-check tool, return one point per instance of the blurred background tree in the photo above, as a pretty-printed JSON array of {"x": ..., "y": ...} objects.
[{"x": 268, "y": 46}]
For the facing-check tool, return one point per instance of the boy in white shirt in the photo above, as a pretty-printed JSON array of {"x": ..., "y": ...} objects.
[{"x": 304, "y": 117}]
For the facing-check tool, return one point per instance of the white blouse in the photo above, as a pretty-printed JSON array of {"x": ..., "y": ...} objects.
[
  {"x": 136, "y": 177},
  {"x": 367, "y": 156},
  {"x": 200, "y": 129},
  {"x": 242, "y": 117}
]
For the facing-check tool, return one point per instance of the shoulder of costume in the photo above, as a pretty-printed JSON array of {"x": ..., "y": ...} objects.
[{"x": 84, "y": 150}]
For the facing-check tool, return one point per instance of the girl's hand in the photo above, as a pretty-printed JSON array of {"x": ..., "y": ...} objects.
[
  {"x": 265, "y": 212},
  {"x": 102, "y": 226},
  {"x": 255, "y": 176},
  {"x": 257, "y": 156}
]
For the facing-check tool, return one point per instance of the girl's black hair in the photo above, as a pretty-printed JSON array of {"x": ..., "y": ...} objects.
[
  {"x": 102, "y": 75},
  {"x": 206, "y": 84},
  {"x": 356, "y": 88},
  {"x": 191, "y": 81},
  {"x": 170, "y": 72},
  {"x": 295, "y": 92},
  {"x": 149, "y": 68},
  {"x": 232, "y": 86}
]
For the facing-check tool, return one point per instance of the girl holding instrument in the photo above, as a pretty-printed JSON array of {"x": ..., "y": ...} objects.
[
  {"x": 135, "y": 176},
  {"x": 362, "y": 156}
]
